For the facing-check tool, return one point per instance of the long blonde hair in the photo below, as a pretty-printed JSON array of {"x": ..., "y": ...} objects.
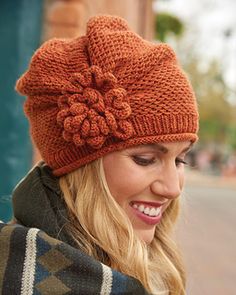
[{"x": 101, "y": 229}]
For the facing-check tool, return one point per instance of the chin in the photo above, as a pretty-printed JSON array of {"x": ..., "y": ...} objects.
[{"x": 146, "y": 236}]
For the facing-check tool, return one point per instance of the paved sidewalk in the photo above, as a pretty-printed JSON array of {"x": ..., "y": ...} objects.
[{"x": 207, "y": 234}]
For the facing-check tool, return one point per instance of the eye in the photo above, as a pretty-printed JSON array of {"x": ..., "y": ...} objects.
[
  {"x": 142, "y": 161},
  {"x": 179, "y": 161}
]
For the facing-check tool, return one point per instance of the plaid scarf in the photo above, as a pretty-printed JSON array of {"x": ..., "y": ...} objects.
[
  {"x": 38, "y": 257},
  {"x": 31, "y": 262}
]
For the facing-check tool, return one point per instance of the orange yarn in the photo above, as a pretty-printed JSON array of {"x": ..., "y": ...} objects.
[
  {"x": 88, "y": 116},
  {"x": 105, "y": 91}
]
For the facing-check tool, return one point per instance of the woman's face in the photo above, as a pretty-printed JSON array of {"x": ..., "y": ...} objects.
[{"x": 144, "y": 180}]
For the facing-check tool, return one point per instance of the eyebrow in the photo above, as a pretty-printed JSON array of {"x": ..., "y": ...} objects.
[
  {"x": 161, "y": 148},
  {"x": 157, "y": 146}
]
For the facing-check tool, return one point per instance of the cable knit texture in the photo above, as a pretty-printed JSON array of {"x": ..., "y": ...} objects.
[{"x": 105, "y": 91}]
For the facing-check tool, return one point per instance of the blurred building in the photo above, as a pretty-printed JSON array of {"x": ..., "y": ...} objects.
[{"x": 67, "y": 18}]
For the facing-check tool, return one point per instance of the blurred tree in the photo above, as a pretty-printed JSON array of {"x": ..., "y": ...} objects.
[
  {"x": 165, "y": 24},
  {"x": 217, "y": 115},
  {"x": 232, "y": 130}
]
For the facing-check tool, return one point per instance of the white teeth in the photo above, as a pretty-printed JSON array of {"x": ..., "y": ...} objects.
[
  {"x": 141, "y": 208},
  {"x": 152, "y": 212},
  {"x": 147, "y": 210}
]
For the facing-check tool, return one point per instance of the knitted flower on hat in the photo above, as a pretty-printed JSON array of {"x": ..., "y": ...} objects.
[{"x": 93, "y": 108}]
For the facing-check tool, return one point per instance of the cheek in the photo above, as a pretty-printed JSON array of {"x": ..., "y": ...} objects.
[{"x": 123, "y": 180}]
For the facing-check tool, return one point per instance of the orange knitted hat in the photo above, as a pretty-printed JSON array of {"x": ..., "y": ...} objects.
[{"x": 105, "y": 91}]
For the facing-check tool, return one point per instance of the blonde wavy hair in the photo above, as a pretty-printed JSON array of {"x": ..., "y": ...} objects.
[{"x": 102, "y": 229}]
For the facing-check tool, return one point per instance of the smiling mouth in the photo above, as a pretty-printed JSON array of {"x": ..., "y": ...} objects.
[{"x": 147, "y": 210}]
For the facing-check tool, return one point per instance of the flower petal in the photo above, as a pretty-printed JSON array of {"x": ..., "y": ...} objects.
[
  {"x": 124, "y": 130},
  {"x": 75, "y": 98},
  {"x": 96, "y": 142},
  {"x": 81, "y": 79},
  {"x": 78, "y": 141},
  {"x": 95, "y": 99},
  {"x": 94, "y": 129},
  {"x": 104, "y": 129},
  {"x": 85, "y": 128},
  {"x": 121, "y": 114},
  {"x": 77, "y": 122},
  {"x": 61, "y": 116},
  {"x": 78, "y": 109},
  {"x": 68, "y": 126},
  {"x": 110, "y": 120}
]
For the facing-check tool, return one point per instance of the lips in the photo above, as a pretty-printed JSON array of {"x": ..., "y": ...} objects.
[{"x": 148, "y": 212}]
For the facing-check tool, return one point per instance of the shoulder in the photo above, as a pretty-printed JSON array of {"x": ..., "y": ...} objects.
[{"x": 32, "y": 261}]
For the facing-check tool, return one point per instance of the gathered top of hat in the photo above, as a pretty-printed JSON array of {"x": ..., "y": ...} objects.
[{"x": 104, "y": 91}]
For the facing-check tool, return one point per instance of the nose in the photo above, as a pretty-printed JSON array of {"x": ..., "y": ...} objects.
[{"x": 168, "y": 184}]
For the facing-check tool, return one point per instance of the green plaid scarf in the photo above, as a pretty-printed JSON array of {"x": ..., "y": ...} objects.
[{"x": 38, "y": 256}]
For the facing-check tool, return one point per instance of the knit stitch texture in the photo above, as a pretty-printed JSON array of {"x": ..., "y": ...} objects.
[{"x": 105, "y": 91}]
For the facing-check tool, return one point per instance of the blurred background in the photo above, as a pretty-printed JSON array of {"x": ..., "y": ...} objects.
[{"x": 203, "y": 34}]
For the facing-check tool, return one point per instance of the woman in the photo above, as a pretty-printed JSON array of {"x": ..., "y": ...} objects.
[{"x": 113, "y": 117}]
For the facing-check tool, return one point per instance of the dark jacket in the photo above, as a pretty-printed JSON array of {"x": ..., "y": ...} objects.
[{"x": 39, "y": 257}]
